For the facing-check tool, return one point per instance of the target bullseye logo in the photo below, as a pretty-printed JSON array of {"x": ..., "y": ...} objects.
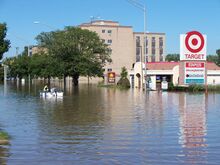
[
  {"x": 194, "y": 41},
  {"x": 193, "y": 46}
]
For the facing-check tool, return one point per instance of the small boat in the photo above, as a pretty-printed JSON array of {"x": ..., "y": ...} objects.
[{"x": 52, "y": 93}]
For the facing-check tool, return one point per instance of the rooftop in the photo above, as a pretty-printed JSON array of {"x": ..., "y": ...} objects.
[
  {"x": 103, "y": 23},
  {"x": 171, "y": 65}
]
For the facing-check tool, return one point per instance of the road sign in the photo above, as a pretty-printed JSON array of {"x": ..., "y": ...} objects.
[
  {"x": 194, "y": 72},
  {"x": 193, "y": 46}
]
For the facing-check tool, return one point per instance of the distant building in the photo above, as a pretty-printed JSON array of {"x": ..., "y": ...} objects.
[
  {"x": 36, "y": 50},
  {"x": 156, "y": 71},
  {"x": 127, "y": 46}
]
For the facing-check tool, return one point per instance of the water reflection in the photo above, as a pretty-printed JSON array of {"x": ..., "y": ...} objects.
[{"x": 193, "y": 129}]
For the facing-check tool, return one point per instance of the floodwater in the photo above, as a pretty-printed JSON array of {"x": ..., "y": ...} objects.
[{"x": 92, "y": 125}]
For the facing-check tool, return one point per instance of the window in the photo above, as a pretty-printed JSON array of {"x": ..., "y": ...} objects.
[
  {"x": 146, "y": 51},
  {"x": 138, "y": 58},
  {"x": 109, "y": 41},
  {"x": 138, "y": 41},
  {"x": 161, "y": 51},
  {"x": 109, "y": 31},
  {"x": 153, "y": 51},
  {"x": 161, "y": 42},
  {"x": 103, "y": 40},
  {"x": 109, "y": 69},
  {"x": 153, "y": 58},
  {"x": 146, "y": 41},
  {"x": 103, "y": 31},
  {"x": 153, "y": 42},
  {"x": 138, "y": 51}
]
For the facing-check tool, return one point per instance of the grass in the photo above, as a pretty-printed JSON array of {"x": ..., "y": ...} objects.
[
  {"x": 195, "y": 88},
  {"x": 112, "y": 86}
]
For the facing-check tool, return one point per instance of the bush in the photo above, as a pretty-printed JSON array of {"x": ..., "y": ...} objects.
[
  {"x": 196, "y": 88},
  {"x": 124, "y": 83},
  {"x": 171, "y": 86}
]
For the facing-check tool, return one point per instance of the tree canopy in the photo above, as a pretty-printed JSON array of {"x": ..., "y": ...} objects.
[
  {"x": 172, "y": 57},
  {"x": 82, "y": 52},
  {"x": 218, "y": 57},
  {"x": 4, "y": 43},
  {"x": 70, "y": 52},
  {"x": 212, "y": 58}
]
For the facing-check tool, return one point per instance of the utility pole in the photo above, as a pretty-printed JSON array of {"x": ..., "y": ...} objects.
[{"x": 142, "y": 7}]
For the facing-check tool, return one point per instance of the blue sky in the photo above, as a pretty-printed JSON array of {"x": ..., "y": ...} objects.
[{"x": 173, "y": 17}]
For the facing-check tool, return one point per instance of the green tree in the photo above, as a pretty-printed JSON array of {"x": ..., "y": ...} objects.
[
  {"x": 212, "y": 58},
  {"x": 124, "y": 82},
  {"x": 19, "y": 66},
  {"x": 172, "y": 57},
  {"x": 218, "y": 57},
  {"x": 124, "y": 73},
  {"x": 4, "y": 43},
  {"x": 81, "y": 52},
  {"x": 44, "y": 66}
]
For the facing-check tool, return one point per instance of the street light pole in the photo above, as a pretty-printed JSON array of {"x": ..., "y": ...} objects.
[{"x": 143, "y": 8}]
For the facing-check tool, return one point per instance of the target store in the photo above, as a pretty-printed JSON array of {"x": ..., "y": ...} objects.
[{"x": 191, "y": 69}]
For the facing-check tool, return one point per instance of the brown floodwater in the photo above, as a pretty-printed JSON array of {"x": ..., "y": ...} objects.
[{"x": 92, "y": 125}]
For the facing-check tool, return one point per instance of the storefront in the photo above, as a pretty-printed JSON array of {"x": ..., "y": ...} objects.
[{"x": 158, "y": 71}]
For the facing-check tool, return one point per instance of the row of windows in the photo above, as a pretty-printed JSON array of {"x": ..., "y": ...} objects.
[
  {"x": 153, "y": 51},
  {"x": 153, "y": 41},
  {"x": 108, "y": 31},
  {"x": 107, "y": 41},
  {"x": 153, "y": 58}
]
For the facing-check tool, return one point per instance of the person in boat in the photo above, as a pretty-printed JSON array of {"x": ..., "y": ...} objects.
[
  {"x": 46, "y": 89},
  {"x": 54, "y": 90}
]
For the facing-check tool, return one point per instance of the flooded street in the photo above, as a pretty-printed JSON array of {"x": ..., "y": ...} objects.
[{"x": 92, "y": 125}]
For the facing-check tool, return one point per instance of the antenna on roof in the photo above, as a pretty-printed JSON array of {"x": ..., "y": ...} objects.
[{"x": 94, "y": 18}]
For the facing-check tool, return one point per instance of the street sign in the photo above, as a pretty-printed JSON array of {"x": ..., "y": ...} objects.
[
  {"x": 193, "y": 46},
  {"x": 111, "y": 77},
  {"x": 194, "y": 72}
]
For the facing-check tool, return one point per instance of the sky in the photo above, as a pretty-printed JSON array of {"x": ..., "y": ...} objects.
[{"x": 173, "y": 17}]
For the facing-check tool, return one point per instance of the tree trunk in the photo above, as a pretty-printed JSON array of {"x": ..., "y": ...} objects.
[
  {"x": 64, "y": 81},
  {"x": 75, "y": 80}
]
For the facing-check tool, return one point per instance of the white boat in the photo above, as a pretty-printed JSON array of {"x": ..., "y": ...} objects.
[{"x": 52, "y": 93}]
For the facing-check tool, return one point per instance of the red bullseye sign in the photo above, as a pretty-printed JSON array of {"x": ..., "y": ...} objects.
[
  {"x": 193, "y": 46},
  {"x": 194, "y": 41}
]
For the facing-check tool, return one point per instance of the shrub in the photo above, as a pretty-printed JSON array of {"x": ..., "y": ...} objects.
[
  {"x": 124, "y": 82},
  {"x": 196, "y": 88}
]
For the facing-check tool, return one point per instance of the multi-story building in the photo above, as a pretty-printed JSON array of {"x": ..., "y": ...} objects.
[
  {"x": 154, "y": 47},
  {"x": 127, "y": 47}
]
